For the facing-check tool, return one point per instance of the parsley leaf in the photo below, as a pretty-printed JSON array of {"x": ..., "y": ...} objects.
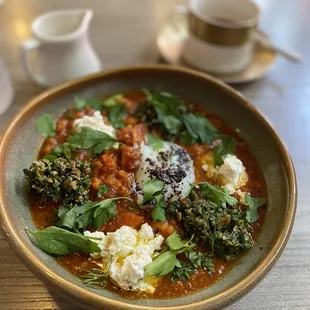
[
  {"x": 190, "y": 128},
  {"x": 174, "y": 242},
  {"x": 95, "y": 140},
  {"x": 216, "y": 194},
  {"x": 154, "y": 141},
  {"x": 112, "y": 100},
  {"x": 151, "y": 188},
  {"x": 45, "y": 125},
  {"x": 102, "y": 190},
  {"x": 57, "y": 241},
  {"x": 200, "y": 128},
  {"x": 165, "y": 262},
  {"x": 116, "y": 114},
  {"x": 65, "y": 148},
  {"x": 81, "y": 103},
  {"x": 159, "y": 212},
  {"x": 227, "y": 146},
  {"x": 162, "y": 265},
  {"x": 94, "y": 213},
  {"x": 253, "y": 204}
]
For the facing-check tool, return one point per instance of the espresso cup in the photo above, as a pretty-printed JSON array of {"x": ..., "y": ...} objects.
[{"x": 220, "y": 34}]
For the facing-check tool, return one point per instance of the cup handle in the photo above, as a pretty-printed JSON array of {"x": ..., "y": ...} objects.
[
  {"x": 26, "y": 48},
  {"x": 178, "y": 20}
]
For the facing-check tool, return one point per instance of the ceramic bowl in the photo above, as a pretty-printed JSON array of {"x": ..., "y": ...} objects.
[{"x": 20, "y": 144}]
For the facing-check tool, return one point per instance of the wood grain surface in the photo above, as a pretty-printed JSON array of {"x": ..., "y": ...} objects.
[{"x": 123, "y": 33}]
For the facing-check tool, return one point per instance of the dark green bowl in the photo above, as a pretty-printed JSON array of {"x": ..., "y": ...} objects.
[{"x": 20, "y": 144}]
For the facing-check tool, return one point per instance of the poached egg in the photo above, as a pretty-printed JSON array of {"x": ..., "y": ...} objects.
[{"x": 170, "y": 164}]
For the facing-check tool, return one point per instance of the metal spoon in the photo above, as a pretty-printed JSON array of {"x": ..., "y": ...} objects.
[{"x": 261, "y": 38}]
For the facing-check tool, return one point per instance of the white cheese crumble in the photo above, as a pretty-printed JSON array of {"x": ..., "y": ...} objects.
[
  {"x": 95, "y": 122},
  {"x": 132, "y": 250},
  {"x": 230, "y": 175}
]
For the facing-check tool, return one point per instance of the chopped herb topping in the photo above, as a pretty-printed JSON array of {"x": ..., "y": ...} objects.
[
  {"x": 62, "y": 179},
  {"x": 215, "y": 220}
]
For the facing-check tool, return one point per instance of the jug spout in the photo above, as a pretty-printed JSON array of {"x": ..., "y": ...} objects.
[{"x": 62, "y": 25}]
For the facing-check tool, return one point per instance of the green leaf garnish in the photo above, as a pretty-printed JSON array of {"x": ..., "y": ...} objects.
[
  {"x": 116, "y": 114},
  {"x": 200, "y": 128},
  {"x": 81, "y": 103},
  {"x": 94, "y": 213},
  {"x": 45, "y": 125},
  {"x": 64, "y": 149},
  {"x": 102, "y": 190},
  {"x": 253, "y": 203},
  {"x": 151, "y": 188},
  {"x": 162, "y": 265},
  {"x": 226, "y": 146},
  {"x": 57, "y": 241},
  {"x": 195, "y": 260},
  {"x": 112, "y": 101},
  {"x": 154, "y": 141},
  {"x": 216, "y": 194},
  {"x": 165, "y": 262},
  {"x": 159, "y": 210},
  {"x": 95, "y": 140}
]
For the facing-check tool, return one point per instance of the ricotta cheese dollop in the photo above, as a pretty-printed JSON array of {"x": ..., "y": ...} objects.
[
  {"x": 95, "y": 122},
  {"x": 230, "y": 175},
  {"x": 131, "y": 250}
]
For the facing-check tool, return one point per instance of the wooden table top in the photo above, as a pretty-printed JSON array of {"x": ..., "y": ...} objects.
[{"x": 123, "y": 32}]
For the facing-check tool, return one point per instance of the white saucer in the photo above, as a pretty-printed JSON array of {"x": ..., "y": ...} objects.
[{"x": 170, "y": 43}]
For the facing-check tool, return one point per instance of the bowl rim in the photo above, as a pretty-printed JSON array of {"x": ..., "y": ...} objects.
[{"x": 87, "y": 298}]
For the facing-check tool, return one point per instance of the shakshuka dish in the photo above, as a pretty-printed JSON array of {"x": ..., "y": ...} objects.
[{"x": 144, "y": 194}]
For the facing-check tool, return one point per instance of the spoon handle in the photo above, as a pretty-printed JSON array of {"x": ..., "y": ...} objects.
[{"x": 290, "y": 55}]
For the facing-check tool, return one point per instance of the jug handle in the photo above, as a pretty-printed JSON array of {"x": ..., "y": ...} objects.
[{"x": 26, "y": 47}]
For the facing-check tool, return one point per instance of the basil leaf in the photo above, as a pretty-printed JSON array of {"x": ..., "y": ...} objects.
[
  {"x": 102, "y": 190},
  {"x": 227, "y": 146},
  {"x": 95, "y": 140},
  {"x": 151, "y": 188},
  {"x": 116, "y": 114},
  {"x": 162, "y": 265},
  {"x": 154, "y": 141},
  {"x": 45, "y": 125},
  {"x": 216, "y": 194},
  {"x": 112, "y": 101},
  {"x": 253, "y": 203},
  {"x": 57, "y": 241}
]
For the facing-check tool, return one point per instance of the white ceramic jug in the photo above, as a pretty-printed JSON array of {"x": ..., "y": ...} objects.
[{"x": 60, "y": 49}]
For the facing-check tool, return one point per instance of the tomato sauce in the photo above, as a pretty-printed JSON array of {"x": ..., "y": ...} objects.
[{"x": 115, "y": 169}]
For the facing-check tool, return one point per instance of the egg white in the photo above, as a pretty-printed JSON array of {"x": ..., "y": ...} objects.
[{"x": 170, "y": 164}]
